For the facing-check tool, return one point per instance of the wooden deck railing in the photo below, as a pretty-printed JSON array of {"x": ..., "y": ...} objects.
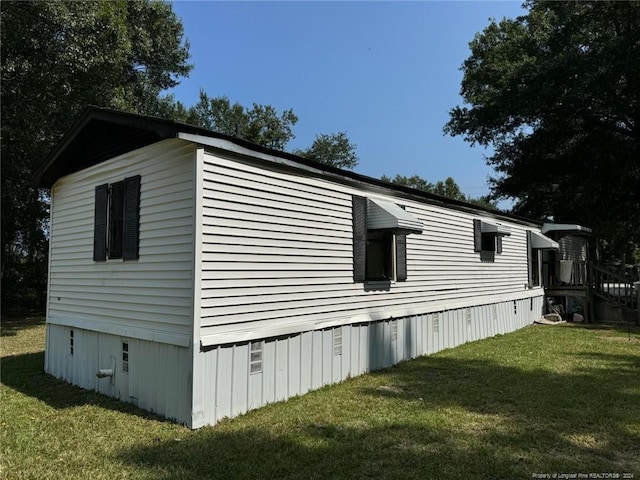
[
  {"x": 613, "y": 287},
  {"x": 572, "y": 273}
]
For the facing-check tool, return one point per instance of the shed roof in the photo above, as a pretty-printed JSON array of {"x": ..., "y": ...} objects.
[{"x": 100, "y": 134}]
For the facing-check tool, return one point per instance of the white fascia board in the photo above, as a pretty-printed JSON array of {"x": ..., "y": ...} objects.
[
  {"x": 494, "y": 229},
  {"x": 565, "y": 228},
  {"x": 541, "y": 242},
  {"x": 235, "y": 148},
  {"x": 389, "y": 216}
]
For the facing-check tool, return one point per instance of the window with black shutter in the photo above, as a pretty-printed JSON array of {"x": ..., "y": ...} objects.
[
  {"x": 379, "y": 254},
  {"x": 117, "y": 220},
  {"x": 488, "y": 236}
]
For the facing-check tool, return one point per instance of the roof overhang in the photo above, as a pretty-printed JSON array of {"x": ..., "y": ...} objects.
[
  {"x": 101, "y": 134},
  {"x": 565, "y": 228},
  {"x": 541, "y": 242},
  {"x": 494, "y": 229},
  {"x": 98, "y": 135},
  {"x": 383, "y": 215}
]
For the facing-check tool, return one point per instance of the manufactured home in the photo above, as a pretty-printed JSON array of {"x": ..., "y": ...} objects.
[{"x": 199, "y": 276}]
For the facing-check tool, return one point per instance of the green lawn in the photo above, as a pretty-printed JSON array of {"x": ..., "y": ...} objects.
[{"x": 561, "y": 399}]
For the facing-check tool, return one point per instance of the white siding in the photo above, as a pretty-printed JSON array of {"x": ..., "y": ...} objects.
[
  {"x": 298, "y": 363},
  {"x": 277, "y": 257},
  {"x": 150, "y": 298}
]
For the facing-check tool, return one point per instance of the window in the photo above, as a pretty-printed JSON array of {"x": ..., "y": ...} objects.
[
  {"x": 117, "y": 220},
  {"x": 488, "y": 236},
  {"x": 535, "y": 268},
  {"x": 536, "y": 245},
  {"x": 488, "y": 243},
  {"x": 379, "y": 255},
  {"x": 380, "y": 232}
]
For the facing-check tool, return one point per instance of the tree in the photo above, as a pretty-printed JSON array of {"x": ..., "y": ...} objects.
[
  {"x": 58, "y": 57},
  {"x": 261, "y": 124},
  {"x": 556, "y": 92},
  {"x": 447, "y": 188},
  {"x": 335, "y": 149}
]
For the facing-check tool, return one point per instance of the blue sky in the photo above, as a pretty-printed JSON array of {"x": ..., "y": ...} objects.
[{"x": 387, "y": 73}]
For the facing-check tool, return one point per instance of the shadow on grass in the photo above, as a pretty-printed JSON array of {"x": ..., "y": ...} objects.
[
  {"x": 435, "y": 417},
  {"x": 620, "y": 327},
  {"x": 11, "y": 326},
  {"x": 395, "y": 451},
  {"x": 24, "y": 373}
]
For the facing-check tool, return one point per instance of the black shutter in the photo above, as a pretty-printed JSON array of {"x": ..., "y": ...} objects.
[
  {"x": 499, "y": 244},
  {"x": 359, "y": 216},
  {"x": 401, "y": 257},
  {"x": 477, "y": 236},
  {"x": 529, "y": 260},
  {"x": 131, "y": 218},
  {"x": 100, "y": 223}
]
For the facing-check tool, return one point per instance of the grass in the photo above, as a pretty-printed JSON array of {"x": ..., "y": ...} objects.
[{"x": 562, "y": 399}]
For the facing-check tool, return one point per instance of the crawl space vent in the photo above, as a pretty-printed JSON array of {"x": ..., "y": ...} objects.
[
  {"x": 255, "y": 361},
  {"x": 337, "y": 341}
]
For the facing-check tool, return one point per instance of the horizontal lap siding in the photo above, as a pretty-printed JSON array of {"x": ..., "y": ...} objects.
[
  {"x": 153, "y": 294},
  {"x": 277, "y": 252}
]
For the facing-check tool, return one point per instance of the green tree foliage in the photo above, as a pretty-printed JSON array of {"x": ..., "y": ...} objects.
[
  {"x": 556, "y": 93},
  {"x": 447, "y": 188},
  {"x": 58, "y": 57},
  {"x": 261, "y": 124},
  {"x": 334, "y": 149}
]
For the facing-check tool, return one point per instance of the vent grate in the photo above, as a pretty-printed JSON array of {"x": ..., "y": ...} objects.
[
  {"x": 394, "y": 331},
  {"x": 436, "y": 322},
  {"x": 255, "y": 357},
  {"x": 337, "y": 341},
  {"x": 468, "y": 317},
  {"x": 71, "y": 342},
  {"x": 125, "y": 357}
]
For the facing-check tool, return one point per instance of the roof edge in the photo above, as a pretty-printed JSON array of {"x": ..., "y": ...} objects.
[{"x": 165, "y": 128}]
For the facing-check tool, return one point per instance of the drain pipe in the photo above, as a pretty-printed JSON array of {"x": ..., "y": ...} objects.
[{"x": 108, "y": 372}]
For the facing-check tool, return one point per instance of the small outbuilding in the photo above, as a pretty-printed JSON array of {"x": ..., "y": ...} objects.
[{"x": 199, "y": 276}]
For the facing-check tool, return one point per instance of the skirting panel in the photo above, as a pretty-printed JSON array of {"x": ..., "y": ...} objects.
[
  {"x": 232, "y": 379},
  {"x": 154, "y": 376}
]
